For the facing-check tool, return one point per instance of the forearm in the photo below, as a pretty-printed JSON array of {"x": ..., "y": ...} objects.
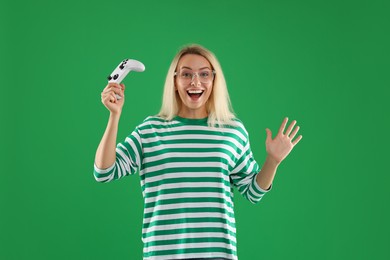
[
  {"x": 267, "y": 173},
  {"x": 106, "y": 151}
]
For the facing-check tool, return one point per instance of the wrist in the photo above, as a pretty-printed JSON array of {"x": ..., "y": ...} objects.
[
  {"x": 272, "y": 161},
  {"x": 114, "y": 117}
]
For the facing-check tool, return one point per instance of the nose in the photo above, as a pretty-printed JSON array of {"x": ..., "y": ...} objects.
[{"x": 195, "y": 76}]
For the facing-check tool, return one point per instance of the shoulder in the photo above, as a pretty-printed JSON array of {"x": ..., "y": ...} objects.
[
  {"x": 154, "y": 119},
  {"x": 153, "y": 122},
  {"x": 238, "y": 125},
  {"x": 233, "y": 129}
]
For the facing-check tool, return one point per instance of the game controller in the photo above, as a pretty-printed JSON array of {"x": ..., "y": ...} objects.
[{"x": 123, "y": 69}]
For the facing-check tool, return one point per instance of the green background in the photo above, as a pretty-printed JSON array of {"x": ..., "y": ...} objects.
[{"x": 323, "y": 63}]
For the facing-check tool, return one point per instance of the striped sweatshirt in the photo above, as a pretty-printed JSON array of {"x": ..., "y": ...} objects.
[{"x": 187, "y": 173}]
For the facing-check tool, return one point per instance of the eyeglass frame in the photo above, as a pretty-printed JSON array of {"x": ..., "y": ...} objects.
[{"x": 197, "y": 74}]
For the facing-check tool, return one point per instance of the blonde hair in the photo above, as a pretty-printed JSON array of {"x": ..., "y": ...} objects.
[{"x": 218, "y": 106}]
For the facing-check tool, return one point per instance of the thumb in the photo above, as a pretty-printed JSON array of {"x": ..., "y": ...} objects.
[{"x": 269, "y": 135}]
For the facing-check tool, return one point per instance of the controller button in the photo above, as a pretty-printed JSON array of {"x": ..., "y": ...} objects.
[
  {"x": 121, "y": 67},
  {"x": 109, "y": 77},
  {"x": 116, "y": 76}
]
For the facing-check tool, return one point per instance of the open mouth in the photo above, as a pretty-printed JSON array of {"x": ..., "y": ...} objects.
[{"x": 195, "y": 94}]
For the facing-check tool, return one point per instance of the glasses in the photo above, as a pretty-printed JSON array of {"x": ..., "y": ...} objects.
[{"x": 187, "y": 76}]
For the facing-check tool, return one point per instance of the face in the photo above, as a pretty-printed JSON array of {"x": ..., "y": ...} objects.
[{"x": 193, "y": 83}]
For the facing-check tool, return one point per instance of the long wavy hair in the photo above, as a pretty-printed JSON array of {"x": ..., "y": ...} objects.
[{"x": 218, "y": 106}]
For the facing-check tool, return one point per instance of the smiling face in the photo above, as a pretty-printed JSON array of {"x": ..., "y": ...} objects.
[{"x": 193, "y": 83}]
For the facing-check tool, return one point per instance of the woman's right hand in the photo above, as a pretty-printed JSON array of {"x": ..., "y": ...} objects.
[{"x": 109, "y": 99}]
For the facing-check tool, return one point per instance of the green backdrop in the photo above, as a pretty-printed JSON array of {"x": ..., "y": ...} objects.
[{"x": 323, "y": 63}]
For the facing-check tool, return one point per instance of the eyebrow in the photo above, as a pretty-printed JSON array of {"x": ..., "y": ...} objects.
[{"x": 185, "y": 67}]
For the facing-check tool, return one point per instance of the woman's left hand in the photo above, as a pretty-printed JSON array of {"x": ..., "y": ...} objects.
[{"x": 279, "y": 147}]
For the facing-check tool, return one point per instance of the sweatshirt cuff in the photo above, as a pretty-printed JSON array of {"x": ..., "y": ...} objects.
[
  {"x": 102, "y": 171},
  {"x": 257, "y": 188}
]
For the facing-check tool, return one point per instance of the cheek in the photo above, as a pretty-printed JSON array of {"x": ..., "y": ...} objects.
[
  {"x": 181, "y": 92},
  {"x": 178, "y": 86},
  {"x": 210, "y": 89}
]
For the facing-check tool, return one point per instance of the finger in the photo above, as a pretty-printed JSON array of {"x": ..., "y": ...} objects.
[
  {"x": 294, "y": 132},
  {"x": 123, "y": 86},
  {"x": 109, "y": 85},
  {"x": 118, "y": 90},
  {"x": 114, "y": 90},
  {"x": 121, "y": 93},
  {"x": 281, "y": 129},
  {"x": 297, "y": 140},
  {"x": 122, "y": 97},
  {"x": 288, "y": 131},
  {"x": 113, "y": 84},
  {"x": 104, "y": 96},
  {"x": 269, "y": 135},
  {"x": 106, "y": 90},
  {"x": 112, "y": 98},
  {"x": 107, "y": 99}
]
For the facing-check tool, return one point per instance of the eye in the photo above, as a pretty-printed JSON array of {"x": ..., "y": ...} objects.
[
  {"x": 186, "y": 75},
  {"x": 205, "y": 74}
]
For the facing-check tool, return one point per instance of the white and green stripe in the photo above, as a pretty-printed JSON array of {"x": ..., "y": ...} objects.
[{"x": 188, "y": 171}]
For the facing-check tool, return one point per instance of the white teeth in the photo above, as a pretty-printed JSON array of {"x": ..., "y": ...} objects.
[{"x": 195, "y": 91}]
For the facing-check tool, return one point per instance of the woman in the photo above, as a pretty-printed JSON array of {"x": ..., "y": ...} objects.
[{"x": 189, "y": 157}]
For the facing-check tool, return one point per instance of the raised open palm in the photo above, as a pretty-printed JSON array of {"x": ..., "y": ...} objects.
[{"x": 279, "y": 147}]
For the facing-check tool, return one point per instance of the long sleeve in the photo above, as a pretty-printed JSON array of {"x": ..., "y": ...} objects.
[
  {"x": 244, "y": 175},
  {"x": 127, "y": 162}
]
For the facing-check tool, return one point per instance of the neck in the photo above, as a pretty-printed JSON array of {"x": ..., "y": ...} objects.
[{"x": 193, "y": 114}]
